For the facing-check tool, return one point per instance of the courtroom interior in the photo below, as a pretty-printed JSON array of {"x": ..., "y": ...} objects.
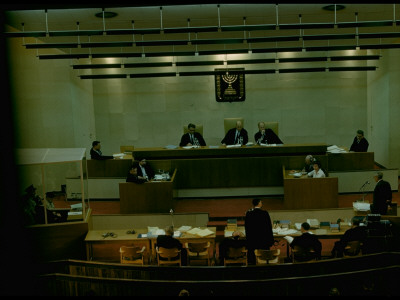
[{"x": 223, "y": 102}]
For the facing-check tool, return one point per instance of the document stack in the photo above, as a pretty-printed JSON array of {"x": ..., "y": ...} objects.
[{"x": 231, "y": 225}]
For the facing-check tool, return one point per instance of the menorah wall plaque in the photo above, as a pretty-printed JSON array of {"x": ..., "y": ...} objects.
[{"x": 229, "y": 85}]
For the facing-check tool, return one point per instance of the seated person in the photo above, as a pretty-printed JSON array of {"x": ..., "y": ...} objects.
[
  {"x": 355, "y": 233},
  {"x": 317, "y": 172},
  {"x": 95, "y": 152},
  {"x": 133, "y": 175},
  {"x": 237, "y": 135},
  {"x": 237, "y": 240},
  {"x": 266, "y": 135},
  {"x": 360, "y": 143},
  {"x": 308, "y": 164},
  {"x": 307, "y": 240},
  {"x": 192, "y": 137},
  {"x": 168, "y": 241},
  {"x": 144, "y": 170}
]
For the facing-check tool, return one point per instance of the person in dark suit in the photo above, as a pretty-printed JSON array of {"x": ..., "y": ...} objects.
[
  {"x": 382, "y": 196},
  {"x": 192, "y": 137},
  {"x": 360, "y": 143},
  {"x": 144, "y": 170},
  {"x": 307, "y": 240},
  {"x": 237, "y": 135},
  {"x": 133, "y": 175},
  {"x": 355, "y": 233},
  {"x": 258, "y": 228},
  {"x": 95, "y": 152},
  {"x": 168, "y": 241},
  {"x": 237, "y": 240},
  {"x": 266, "y": 135}
]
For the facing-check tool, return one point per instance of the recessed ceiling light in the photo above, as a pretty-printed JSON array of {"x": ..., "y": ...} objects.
[
  {"x": 332, "y": 7},
  {"x": 107, "y": 14}
]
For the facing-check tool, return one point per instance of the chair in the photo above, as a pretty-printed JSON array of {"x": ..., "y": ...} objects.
[
  {"x": 124, "y": 149},
  {"x": 230, "y": 123},
  {"x": 353, "y": 248},
  {"x": 301, "y": 254},
  {"x": 198, "y": 251},
  {"x": 167, "y": 256},
  {"x": 199, "y": 129},
  {"x": 273, "y": 125},
  {"x": 236, "y": 256},
  {"x": 132, "y": 255},
  {"x": 265, "y": 257}
]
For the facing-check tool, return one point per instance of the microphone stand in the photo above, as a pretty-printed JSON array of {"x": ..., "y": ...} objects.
[
  {"x": 364, "y": 193},
  {"x": 171, "y": 211}
]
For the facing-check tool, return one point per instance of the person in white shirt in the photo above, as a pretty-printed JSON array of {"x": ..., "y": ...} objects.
[{"x": 317, "y": 172}]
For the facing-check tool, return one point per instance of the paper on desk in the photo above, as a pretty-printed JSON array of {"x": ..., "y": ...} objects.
[
  {"x": 184, "y": 228},
  {"x": 118, "y": 155},
  {"x": 284, "y": 231},
  {"x": 288, "y": 238},
  {"x": 171, "y": 147},
  {"x": 298, "y": 226},
  {"x": 194, "y": 230},
  {"x": 152, "y": 230},
  {"x": 233, "y": 146},
  {"x": 335, "y": 149},
  {"x": 361, "y": 206},
  {"x": 160, "y": 232},
  {"x": 205, "y": 232},
  {"x": 74, "y": 213},
  {"x": 177, "y": 233},
  {"x": 267, "y": 145},
  {"x": 200, "y": 232}
]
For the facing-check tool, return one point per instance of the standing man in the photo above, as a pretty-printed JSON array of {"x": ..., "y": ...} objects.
[
  {"x": 382, "y": 196},
  {"x": 258, "y": 228},
  {"x": 192, "y": 137},
  {"x": 266, "y": 135},
  {"x": 95, "y": 152},
  {"x": 237, "y": 135},
  {"x": 360, "y": 143}
]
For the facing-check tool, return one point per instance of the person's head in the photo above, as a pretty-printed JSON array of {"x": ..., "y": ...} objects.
[
  {"x": 239, "y": 125},
  {"x": 184, "y": 293},
  {"x": 305, "y": 227},
  {"x": 261, "y": 126},
  {"x": 96, "y": 145},
  {"x": 142, "y": 162},
  {"x": 169, "y": 230},
  {"x": 133, "y": 170},
  {"x": 316, "y": 166},
  {"x": 191, "y": 128},
  {"x": 378, "y": 176},
  {"x": 237, "y": 234},
  {"x": 309, "y": 159},
  {"x": 257, "y": 202},
  {"x": 360, "y": 134}
]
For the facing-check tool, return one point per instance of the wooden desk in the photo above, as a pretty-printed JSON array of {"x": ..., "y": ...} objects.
[
  {"x": 223, "y": 151},
  {"x": 148, "y": 197},
  {"x": 305, "y": 192},
  {"x": 284, "y": 245},
  {"x": 187, "y": 237},
  {"x": 107, "y": 249}
]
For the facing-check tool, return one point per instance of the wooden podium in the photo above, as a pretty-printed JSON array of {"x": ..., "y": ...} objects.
[
  {"x": 309, "y": 193},
  {"x": 148, "y": 197}
]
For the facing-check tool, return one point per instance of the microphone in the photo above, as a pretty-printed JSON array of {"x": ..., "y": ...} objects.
[
  {"x": 367, "y": 182},
  {"x": 171, "y": 211}
]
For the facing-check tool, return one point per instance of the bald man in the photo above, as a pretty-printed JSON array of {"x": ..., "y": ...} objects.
[{"x": 237, "y": 135}]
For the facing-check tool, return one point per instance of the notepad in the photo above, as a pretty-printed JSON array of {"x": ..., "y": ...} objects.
[
  {"x": 204, "y": 232},
  {"x": 184, "y": 228}
]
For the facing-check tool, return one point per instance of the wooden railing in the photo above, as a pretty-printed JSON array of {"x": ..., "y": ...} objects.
[{"x": 349, "y": 275}]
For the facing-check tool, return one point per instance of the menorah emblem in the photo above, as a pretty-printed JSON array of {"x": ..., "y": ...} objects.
[{"x": 229, "y": 79}]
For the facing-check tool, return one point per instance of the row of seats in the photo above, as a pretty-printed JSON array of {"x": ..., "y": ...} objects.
[{"x": 199, "y": 251}]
